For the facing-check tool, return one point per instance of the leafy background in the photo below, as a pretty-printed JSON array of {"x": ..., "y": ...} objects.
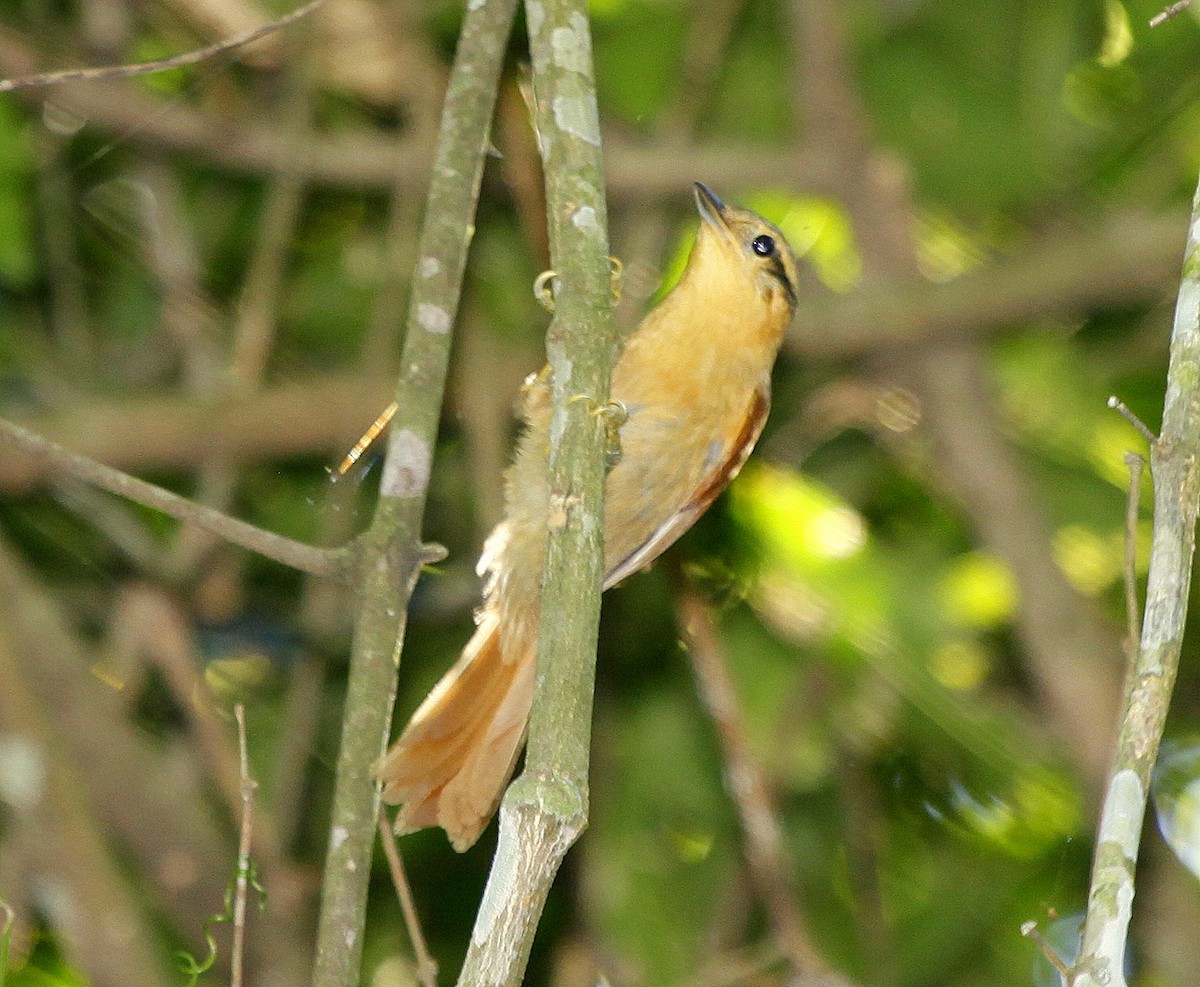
[{"x": 916, "y": 585}]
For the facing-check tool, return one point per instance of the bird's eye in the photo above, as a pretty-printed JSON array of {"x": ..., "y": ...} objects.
[{"x": 763, "y": 245}]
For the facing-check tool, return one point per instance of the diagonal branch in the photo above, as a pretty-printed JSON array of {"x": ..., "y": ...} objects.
[
  {"x": 181, "y": 60},
  {"x": 392, "y": 551},
  {"x": 334, "y": 563}
]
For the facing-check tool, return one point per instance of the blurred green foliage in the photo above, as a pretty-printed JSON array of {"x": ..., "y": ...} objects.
[{"x": 926, "y": 809}]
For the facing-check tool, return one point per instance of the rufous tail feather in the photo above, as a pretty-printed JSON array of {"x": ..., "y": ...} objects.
[{"x": 450, "y": 766}]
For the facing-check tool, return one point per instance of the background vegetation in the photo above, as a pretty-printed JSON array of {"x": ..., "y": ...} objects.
[{"x": 915, "y": 589}]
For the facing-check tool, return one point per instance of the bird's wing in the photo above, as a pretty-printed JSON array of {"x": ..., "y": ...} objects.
[{"x": 715, "y": 479}]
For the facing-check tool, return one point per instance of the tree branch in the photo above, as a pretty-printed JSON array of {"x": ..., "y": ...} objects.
[
  {"x": 392, "y": 552},
  {"x": 1174, "y": 461},
  {"x": 194, "y": 57},
  {"x": 334, "y": 563},
  {"x": 545, "y": 810}
]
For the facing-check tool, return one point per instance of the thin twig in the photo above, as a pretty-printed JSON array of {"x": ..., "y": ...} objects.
[
  {"x": 333, "y": 563},
  {"x": 1122, "y": 409},
  {"x": 243, "y": 871},
  {"x": 427, "y": 968},
  {"x": 1168, "y": 12},
  {"x": 192, "y": 57},
  {"x": 1030, "y": 931}
]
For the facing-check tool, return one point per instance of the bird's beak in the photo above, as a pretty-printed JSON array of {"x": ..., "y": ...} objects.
[{"x": 711, "y": 209}]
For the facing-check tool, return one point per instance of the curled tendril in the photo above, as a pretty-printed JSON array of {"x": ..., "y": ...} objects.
[{"x": 185, "y": 962}]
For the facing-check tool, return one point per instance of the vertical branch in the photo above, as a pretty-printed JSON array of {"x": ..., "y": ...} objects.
[
  {"x": 1173, "y": 464},
  {"x": 392, "y": 550},
  {"x": 545, "y": 810}
]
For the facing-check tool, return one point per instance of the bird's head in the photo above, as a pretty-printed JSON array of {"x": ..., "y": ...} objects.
[{"x": 739, "y": 251}]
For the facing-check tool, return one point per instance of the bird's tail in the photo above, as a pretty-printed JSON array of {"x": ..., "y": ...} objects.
[{"x": 451, "y": 764}]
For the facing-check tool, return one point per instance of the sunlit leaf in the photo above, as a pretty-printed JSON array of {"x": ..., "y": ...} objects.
[
  {"x": 1118, "y": 36},
  {"x": 944, "y": 249},
  {"x": 819, "y": 230}
]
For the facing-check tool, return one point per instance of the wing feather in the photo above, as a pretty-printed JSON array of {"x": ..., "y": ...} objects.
[{"x": 712, "y": 482}]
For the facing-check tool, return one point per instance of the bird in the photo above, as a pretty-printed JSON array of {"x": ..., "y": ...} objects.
[{"x": 693, "y": 382}]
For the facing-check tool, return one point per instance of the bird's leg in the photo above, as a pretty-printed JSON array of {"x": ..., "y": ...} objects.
[
  {"x": 544, "y": 286},
  {"x": 614, "y": 414}
]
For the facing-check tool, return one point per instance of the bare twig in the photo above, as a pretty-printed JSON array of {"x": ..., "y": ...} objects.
[
  {"x": 334, "y": 563},
  {"x": 1122, "y": 409},
  {"x": 249, "y": 785},
  {"x": 1168, "y": 12},
  {"x": 426, "y": 965},
  {"x": 159, "y": 64},
  {"x": 1030, "y": 931}
]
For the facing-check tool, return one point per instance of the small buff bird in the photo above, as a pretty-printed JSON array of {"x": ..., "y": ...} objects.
[{"x": 695, "y": 380}]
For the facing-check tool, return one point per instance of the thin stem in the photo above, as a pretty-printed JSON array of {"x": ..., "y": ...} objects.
[
  {"x": 334, "y": 563},
  {"x": 1122, "y": 409},
  {"x": 426, "y": 965},
  {"x": 1030, "y": 931},
  {"x": 159, "y": 64},
  {"x": 1170, "y": 11},
  {"x": 249, "y": 785}
]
